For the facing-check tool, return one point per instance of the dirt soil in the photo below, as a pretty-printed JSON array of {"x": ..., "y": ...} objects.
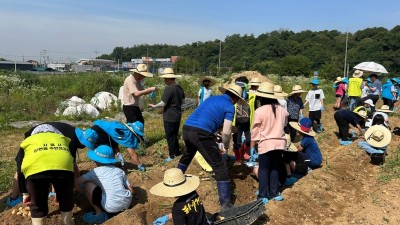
[{"x": 345, "y": 190}]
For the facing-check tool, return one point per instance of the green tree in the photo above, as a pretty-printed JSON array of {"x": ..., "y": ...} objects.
[{"x": 295, "y": 65}]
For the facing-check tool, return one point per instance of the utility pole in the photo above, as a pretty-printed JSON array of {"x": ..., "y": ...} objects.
[
  {"x": 345, "y": 55},
  {"x": 15, "y": 63},
  {"x": 219, "y": 57}
]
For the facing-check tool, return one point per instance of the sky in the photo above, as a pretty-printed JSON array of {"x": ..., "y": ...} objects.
[{"x": 71, "y": 29}]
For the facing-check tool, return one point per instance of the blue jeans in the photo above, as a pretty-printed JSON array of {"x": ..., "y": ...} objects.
[
  {"x": 353, "y": 102},
  {"x": 268, "y": 174},
  {"x": 368, "y": 148}
]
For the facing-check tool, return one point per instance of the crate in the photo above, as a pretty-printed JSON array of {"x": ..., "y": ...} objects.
[{"x": 241, "y": 215}]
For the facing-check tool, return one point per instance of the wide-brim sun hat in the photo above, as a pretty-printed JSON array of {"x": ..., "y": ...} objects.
[
  {"x": 297, "y": 89},
  {"x": 236, "y": 90},
  {"x": 279, "y": 92},
  {"x": 175, "y": 184},
  {"x": 314, "y": 81},
  {"x": 385, "y": 108},
  {"x": 255, "y": 82},
  {"x": 369, "y": 102},
  {"x": 338, "y": 79},
  {"x": 297, "y": 126},
  {"x": 137, "y": 128},
  {"x": 378, "y": 136},
  {"x": 169, "y": 73},
  {"x": 358, "y": 73},
  {"x": 142, "y": 70},
  {"x": 290, "y": 147},
  {"x": 86, "y": 137},
  {"x": 103, "y": 154},
  {"x": 363, "y": 114},
  {"x": 201, "y": 79},
  {"x": 266, "y": 90}
]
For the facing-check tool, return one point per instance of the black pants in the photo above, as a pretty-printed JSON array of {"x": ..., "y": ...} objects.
[
  {"x": 38, "y": 188},
  {"x": 388, "y": 102},
  {"x": 200, "y": 140},
  {"x": 132, "y": 113},
  {"x": 171, "y": 132},
  {"x": 343, "y": 126},
  {"x": 315, "y": 116},
  {"x": 237, "y": 137}
]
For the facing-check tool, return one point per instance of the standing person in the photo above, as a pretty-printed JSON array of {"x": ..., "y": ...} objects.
[
  {"x": 254, "y": 84},
  {"x": 340, "y": 92},
  {"x": 374, "y": 90},
  {"x": 112, "y": 133},
  {"x": 281, "y": 96},
  {"x": 205, "y": 91},
  {"x": 171, "y": 101},
  {"x": 198, "y": 134},
  {"x": 354, "y": 89},
  {"x": 47, "y": 160},
  {"x": 365, "y": 88},
  {"x": 188, "y": 207},
  {"x": 343, "y": 118},
  {"x": 315, "y": 97},
  {"x": 133, "y": 92},
  {"x": 387, "y": 93},
  {"x": 295, "y": 108},
  {"x": 19, "y": 184},
  {"x": 106, "y": 187},
  {"x": 269, "y": 121}
]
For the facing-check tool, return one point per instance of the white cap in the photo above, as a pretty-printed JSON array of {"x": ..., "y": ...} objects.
[{"x": 369, "y": 102}]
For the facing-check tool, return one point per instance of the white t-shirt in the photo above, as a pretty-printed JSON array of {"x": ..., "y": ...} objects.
[
  {"x": 114, "y": 183},
  {"x": 207, "y": 93},
  {"x": 283, "y": 103},
  {"x": 314, "y": 99},
  {"x": 364, "y": 91}
]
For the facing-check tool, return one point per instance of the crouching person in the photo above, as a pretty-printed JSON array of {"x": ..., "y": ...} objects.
[
  {"x": 106, "y": 187},
  {"x": 46, "y": 160},
  {"x": 188, "y": 208}
]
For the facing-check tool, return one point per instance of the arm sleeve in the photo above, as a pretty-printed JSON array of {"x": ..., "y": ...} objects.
[
  {"x": 308, "y": 96},
  {"x": 301, "y": 104},
  {"x": 199, "y": 93},
  {"x": 166, "y": 97},
  {"x": 89, "y": 176},
  {"x": 125, "y": 180},
  {"x": 131, "y": 87},
  {"x": 230, "y": 113},
  {"x": 159, "y": 105},
  {"x": 322, "y": 94},
  {"x": 21, "y": 177},
  {"x": 178, "y": 216},
  {"x": 255, "y": 131}
]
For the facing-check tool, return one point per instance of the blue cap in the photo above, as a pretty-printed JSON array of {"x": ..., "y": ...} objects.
[
  {"x": 87, "y": 137},
  {"x": 314, "y": 81},
  {"x": 102, "y": 154},
  {"x": 306, "y": 124},
  {"x": 345, "y": 80}
]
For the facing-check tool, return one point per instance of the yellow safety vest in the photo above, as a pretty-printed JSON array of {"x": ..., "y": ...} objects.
[
  {"x": 46, "y": 151},
  {"x": 252, "y": 101},
  {"x": 354, "y": 87}
]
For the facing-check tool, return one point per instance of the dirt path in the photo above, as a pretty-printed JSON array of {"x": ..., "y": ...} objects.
[{"x": 344, "y": 191}]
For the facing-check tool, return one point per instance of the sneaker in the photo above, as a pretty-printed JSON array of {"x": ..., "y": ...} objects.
[
  {"x": 265, "y": 200},
  {"x": 290, "y": 181},
  {"x": 13, "y": 202},
  {"x": 51, "y": 194},
  {"x": 93, "y": 218},
  {"x": 345, "y": 143},
  {"x": 167, "y": 160},
  {"x": 251, "y": 164},
  {"x": 278, "y": 198}
]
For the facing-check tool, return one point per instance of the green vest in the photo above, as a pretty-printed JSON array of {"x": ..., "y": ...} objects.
[
  {"x": 252, "y": 101},
  {"x": 46, "y": 151}
]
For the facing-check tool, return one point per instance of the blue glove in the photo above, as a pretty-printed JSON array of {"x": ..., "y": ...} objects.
[
  {"x": 322, "y": 109},
  {"x": 161, "y": 220},
  {"x": 301, "y": 116},
  {"x": 253, "y": 155},
  {"x": 121, "y": 158},
  {"x": 141, "y": 168},
  {"x": 152, "y": 95},
  {"x": 353, "y": 133}
]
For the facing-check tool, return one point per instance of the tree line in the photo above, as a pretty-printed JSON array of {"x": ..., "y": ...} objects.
[{"x": 282, "y": 52}]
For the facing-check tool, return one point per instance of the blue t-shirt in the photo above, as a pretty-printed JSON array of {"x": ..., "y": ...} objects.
[
  {"x": 210, "y": 114},
  {"x": 311, "y": 148},
  {"x": 387, "y": 90},
  {"x": 349, "y": 116}
]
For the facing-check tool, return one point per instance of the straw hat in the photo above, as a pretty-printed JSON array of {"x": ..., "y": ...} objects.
[
  {"x": 385, "y": 108},
  {"x": 358, "y": 73},
  {"x": 201, "y": 79},
  {"x": 169, "y": 73},
  {"x": 338, "y": 79},
  {"x": 369, "y": 102},
  {"x": 297, "y": 89},
  {"x": 255, "y": 82},
  {"x": 362, "y": 114},
  {"x": 279, "y": 92},
  {"x": 304, "y": 126},
  {"x": 290, "y": 147},
  {"x": 142, "y": 70},
  {"x": 378, "y": 136},
  {"x": 266, "y": 90},
  {"x": 236, "y": 90},
  {"x": 175, "y": 184}
]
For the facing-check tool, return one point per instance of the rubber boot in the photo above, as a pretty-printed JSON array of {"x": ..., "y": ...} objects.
[
  {"x": 224, "y": 193},
  {"x": 243, "y": 152},
  {"x": 182, "y": 167},
  {"x": 39, "y": 221},
  {"x": 66, "y": 218},
  {"x": 238, "y": 159}
]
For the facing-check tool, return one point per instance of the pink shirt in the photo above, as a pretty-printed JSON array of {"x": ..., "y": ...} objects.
[
  {"x": 268, "y": 129},
  {"x": 340, "y": 89}
]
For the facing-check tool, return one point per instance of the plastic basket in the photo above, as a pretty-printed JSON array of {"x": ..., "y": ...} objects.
[
  {"x": 377, "y": 158},
  {"x": 241, "y": 215}
]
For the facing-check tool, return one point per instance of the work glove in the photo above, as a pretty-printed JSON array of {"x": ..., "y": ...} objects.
[
  {"x": 161, "y": 220},
  {"x": 121, "y": 158},
  {"x": 152, "y": 95},
  {"x": 141, "y": 168},
  {"x": 253, "y": 155},
  {"x": 322, "y": 108}
]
